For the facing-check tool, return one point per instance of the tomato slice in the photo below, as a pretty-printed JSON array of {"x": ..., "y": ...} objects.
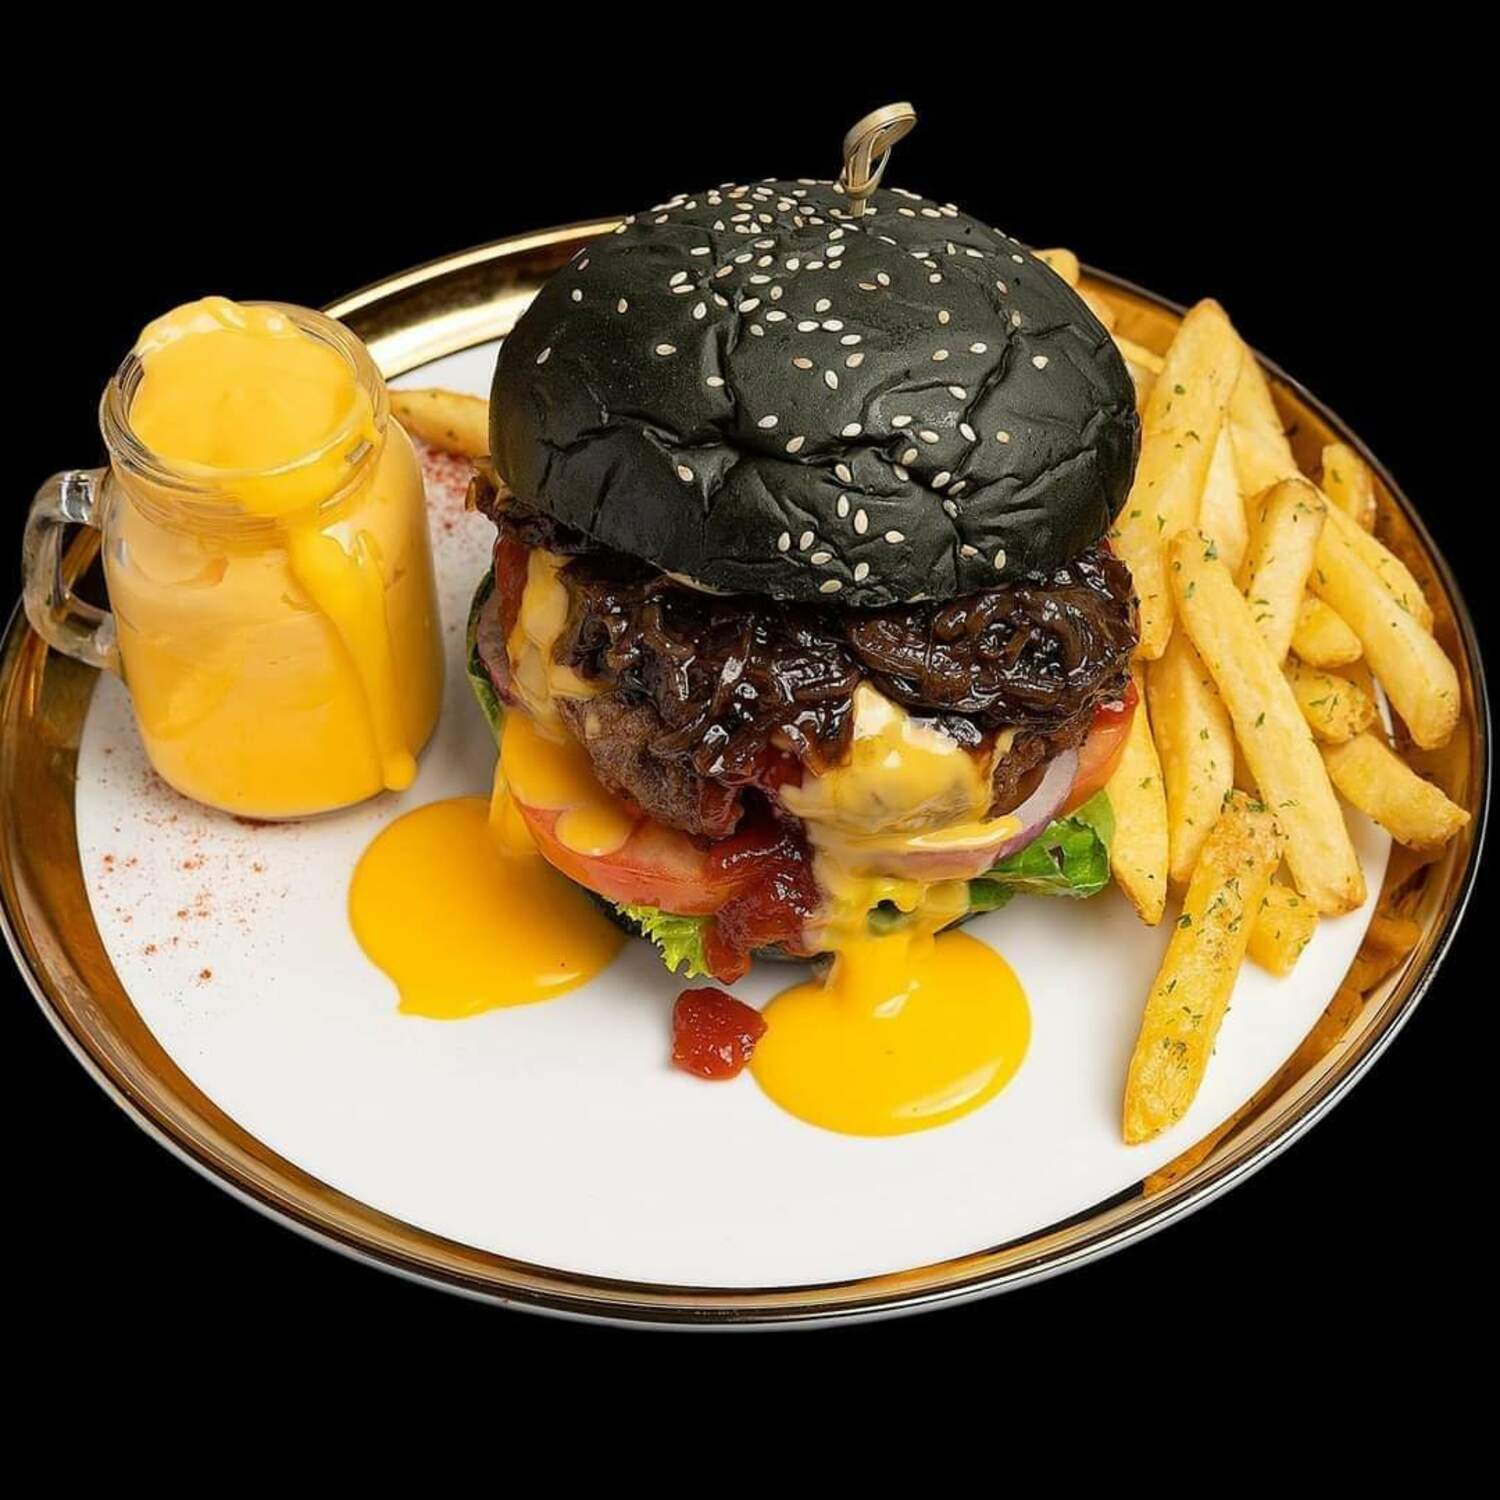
[
  {"x": 1100, "y": 753},
  {"x": 656, "y": 866}
]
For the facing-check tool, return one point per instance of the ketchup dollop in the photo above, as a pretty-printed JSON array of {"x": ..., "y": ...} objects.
[{"x": 713, "y": 1034}]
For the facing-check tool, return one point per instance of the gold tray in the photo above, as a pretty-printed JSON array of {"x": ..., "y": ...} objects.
[{"x": 467, "y": 299}]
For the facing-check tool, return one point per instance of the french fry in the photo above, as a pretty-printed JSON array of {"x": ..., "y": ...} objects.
[
  {"x": 1261, "y": 452},
  {"x": 1221, "y": 510},
  {"x": 1283, "y": 927},
  {"x": 1064, "y": 262},
  {"x": 1269, "y": 726},
  {"x": 1380, "y": 783},
  {"x": 1336, "y": 708},
  {"x": 1138, "y": 354},
  {"x": 1321, "y": 638},
  {"x": 1395, "y": 577},
  {"x": 1410, "y": 665},
  {"x": 1287, "y": 521},
  {"x": 1191, "y": 730},
  {"x": 1191, "y": 990},
  {"x": 1138, "y": 853},
  {"x": 1101, "y": 309},
  {"x": 1349, "y": 484},
  {"x": 445, "y": 419},
  {"x": 1179, "y": 430},
  {"x": 1387, "y": 942}
]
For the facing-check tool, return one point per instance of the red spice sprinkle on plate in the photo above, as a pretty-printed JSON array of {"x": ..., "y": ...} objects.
[{"x": 713, "y": 1034}]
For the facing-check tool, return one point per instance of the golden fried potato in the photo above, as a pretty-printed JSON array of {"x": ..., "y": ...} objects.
[
  {"x": 1418, "y": 678},
  {"x": 1138, "y": 853},
  {"x": 1190, "y": 726},
  {"x": 1380, "y": 783},
  {"x": 1179, "y": 430},
  {"x": 1287, "y": 520},
  {"x": 1261, "y": 451},
  {"x": 1349, "y": 484},
  {"x": 445, "y": 419},
  {"x": 1064, "y": 262},
  {"x": 1221, "y": 510},
  {"x": 1395, "y": 577},
  {"x": 1191, "y": 990},
  {"x": 1321, "y": 638},
  {"x": 1269, "y": 726},
  {"x": 1336, "y": 708},
  {"x": 1284, "y": 926}
]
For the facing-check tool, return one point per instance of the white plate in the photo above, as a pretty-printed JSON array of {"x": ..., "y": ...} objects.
[{"x": 557, "y": 1134}]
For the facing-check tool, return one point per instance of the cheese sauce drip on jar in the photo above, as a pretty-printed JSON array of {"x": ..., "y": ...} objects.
[{"x": 268, "y": 563}]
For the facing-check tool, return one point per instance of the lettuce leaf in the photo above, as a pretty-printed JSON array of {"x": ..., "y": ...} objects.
[
  {"x": 680, "y": 939},
  {"x": 1069, "y": 858},
  {"x": 479, "y": 678}
]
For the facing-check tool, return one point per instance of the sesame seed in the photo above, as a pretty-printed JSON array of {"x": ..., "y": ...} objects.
[
  {"x": 794, "y": 445},
  {"x": 901, "y": 421},
  {"x": 776, "y": 291},
  {"x": 958, "y": 393},
  {"x": 802, "y": 363},
  {"x": 843, "y": 506},
  {"x": 866, "y": 286},
  {"x": 805, "y": 541},
  {"x": 577, "y": 295},
  {"x": 759, "y": 279},
  {"x": 845, "y": 476},
  {"x": 749, "y": 304},
  {"x": 784, "y": 542},
  {"x": 854, "y": 361},
  {"x": 1040, "y": 361},
  {"x": 1004, "y": 290},
  {"x": 939, "y": 480},
  {"x": 775, "y": 316},
  {"x": 1002, "y": 437},
  {"x": 756, "y": 331},
  {"x": 622, "y": 305},
  {"x": 928, "y": 435},
  {"x": 682, "y": 291},
  {"x": 852, "y": 430},
  {"x": 861, "y": 522},
  {"x": 820, "y": 558},
  {"x": 910, "y": 456},
  {"x": 936, "y": 277},
  {"x": 678, "y": 278},
  {"x": 715, "y": 381},
  {"x": 899, "y": 470},
  {"x": 829, "y": 586},
  {"x": 861, "y": 572},
  {"x": 1015, "y": 320},
  {"x": 768, "y": 422},
  {"x": 807, "y": 325},
  {"x": 978, "y": 348},
  {"x": 720, "y": 301},
  {"x": 699, "y": 250},
  {"x": 684, "y": 473},
  {"x": 966, "y": 431},
  {"x": 951, "y": 509},
  {"x": 957, "y": 487},
  {"x": 822, "y": 305},
  {"x": 943, "y": 317},
  {"x": 833, "y": 325},
  {"x": 882, "y": 278},
  {"x": 830, "y": 380},
  {"x": 666, "y": 349},
  {"x": 895, "y": 537},
  {"x": 968, "y": 551},
  {"x": 1020, "y": 260},
  {"x": 1000, "y": 558},
  {"x": 545, "y": 355},
  {"x": 583, "y": 265},
  {"x": 700, "y": 309}
]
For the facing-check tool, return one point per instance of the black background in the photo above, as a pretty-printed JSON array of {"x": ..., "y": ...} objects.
[{"x": 1326, "y": 202}]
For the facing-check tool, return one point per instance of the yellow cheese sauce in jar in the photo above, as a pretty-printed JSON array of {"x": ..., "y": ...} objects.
[{"x": 267, "y": 560}]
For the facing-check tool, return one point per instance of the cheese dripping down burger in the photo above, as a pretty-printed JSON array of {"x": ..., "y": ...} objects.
[{"x": 801, "y": 625}]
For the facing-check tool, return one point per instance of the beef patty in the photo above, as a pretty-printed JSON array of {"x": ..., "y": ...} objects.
[{"x": 700, "y": 696}]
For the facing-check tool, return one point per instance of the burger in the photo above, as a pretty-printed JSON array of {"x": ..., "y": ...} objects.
[{"x": 800, "y": 568}]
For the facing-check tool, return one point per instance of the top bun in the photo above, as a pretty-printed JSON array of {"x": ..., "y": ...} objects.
[{"x": 758, "y": 392}]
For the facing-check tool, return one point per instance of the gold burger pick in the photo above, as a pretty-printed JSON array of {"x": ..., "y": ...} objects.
[{"x": 867, "y": 148}]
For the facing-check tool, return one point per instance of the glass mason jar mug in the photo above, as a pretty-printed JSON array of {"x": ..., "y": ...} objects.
[{"x": 277, "y": 626}]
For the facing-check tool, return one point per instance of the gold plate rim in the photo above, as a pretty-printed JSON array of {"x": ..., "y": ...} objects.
[{"x": 417, "y": 315}]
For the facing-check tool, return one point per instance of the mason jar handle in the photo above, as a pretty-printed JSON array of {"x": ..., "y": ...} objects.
[{"x": 73, "y": 625}]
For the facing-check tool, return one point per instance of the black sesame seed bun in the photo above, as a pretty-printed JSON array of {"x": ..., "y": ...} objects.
[{"x": 758, "y": 392}]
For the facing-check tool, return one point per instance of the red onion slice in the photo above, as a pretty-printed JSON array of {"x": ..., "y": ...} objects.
[{"x": 1039, "y": 809}]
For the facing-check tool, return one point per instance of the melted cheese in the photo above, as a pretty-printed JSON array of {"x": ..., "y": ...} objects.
[
  {"x": 455, "y": 904},
  {"x": 539, "y": 680}
]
